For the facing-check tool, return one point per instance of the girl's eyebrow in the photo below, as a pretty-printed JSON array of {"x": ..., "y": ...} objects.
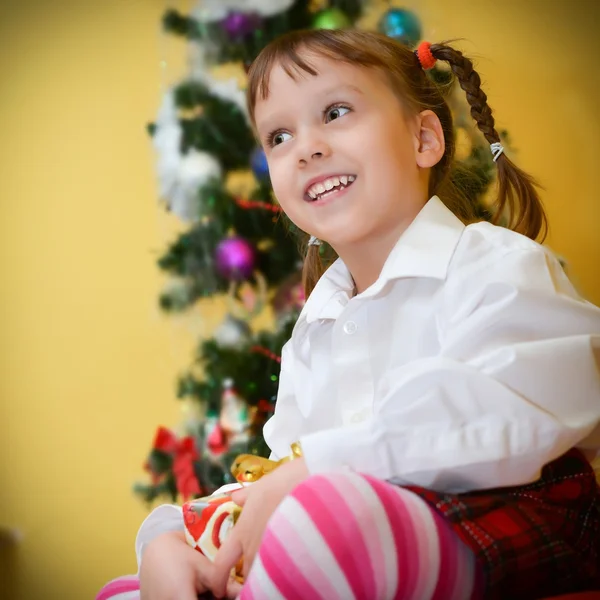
[
  {"x": 275, "y": 117},
  {"x": 347, "y": 87}
]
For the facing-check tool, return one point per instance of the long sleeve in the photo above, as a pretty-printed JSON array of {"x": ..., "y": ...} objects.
[
  {"x": 283, "y": 428},
  {"x": 164, "y": 518},
  {"x": 515, "y": 385}
]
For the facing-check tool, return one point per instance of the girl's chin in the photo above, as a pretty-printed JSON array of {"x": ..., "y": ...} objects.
[{"x": 343, "y": 238}]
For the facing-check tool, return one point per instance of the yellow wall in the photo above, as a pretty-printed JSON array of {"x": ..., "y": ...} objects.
[{"x": 87, "y": 363}]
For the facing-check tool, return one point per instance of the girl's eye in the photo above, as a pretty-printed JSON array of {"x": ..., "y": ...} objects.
[
  {"x": 278, "y": 137},
  {"x": 335, "y": 112}
]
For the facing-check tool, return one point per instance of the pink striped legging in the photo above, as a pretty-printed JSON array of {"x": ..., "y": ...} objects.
[{"x": 346, "y": 536}]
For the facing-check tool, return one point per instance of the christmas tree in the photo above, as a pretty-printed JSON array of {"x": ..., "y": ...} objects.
[{"x": 240, "y": 245}]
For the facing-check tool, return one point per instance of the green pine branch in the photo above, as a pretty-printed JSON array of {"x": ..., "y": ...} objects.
[{"x": 246, "y": 48}]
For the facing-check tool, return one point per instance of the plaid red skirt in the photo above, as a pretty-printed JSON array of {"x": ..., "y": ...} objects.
[{"x": 536, "y": 540}]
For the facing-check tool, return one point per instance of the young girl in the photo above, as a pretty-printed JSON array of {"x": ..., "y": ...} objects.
[{"x": 442, "y": 380}]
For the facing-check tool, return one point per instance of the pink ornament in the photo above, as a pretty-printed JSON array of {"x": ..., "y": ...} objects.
[{"x": 235, "y": 259}]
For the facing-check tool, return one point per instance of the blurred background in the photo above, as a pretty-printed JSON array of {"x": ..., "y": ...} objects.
[{"x": 88, "y": 361}]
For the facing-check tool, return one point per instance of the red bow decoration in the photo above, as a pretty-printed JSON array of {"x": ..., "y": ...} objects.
[{"x": 184, "y": 453}]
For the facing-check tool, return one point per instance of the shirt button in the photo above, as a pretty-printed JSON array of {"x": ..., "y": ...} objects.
[
  {"x": 350, "y": 327},
  {"x": 357, "y": 418}
]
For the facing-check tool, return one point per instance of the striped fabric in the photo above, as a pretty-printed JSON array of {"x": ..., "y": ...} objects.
[
  {"x": 350, "y": 537},
  {"x": 122, "y": 588}
]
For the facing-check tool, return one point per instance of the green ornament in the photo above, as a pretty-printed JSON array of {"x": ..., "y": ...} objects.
[{"x": 332, "y": 18}]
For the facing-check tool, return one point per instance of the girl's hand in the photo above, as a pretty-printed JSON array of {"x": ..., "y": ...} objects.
[
  {"x": 172, "y": 570},
  {"x": 259, "y": 501}
]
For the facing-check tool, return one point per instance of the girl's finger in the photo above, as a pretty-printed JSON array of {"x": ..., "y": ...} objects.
[
  {"x": 233, "y": 589},
  {"x": 225, "y": 560},
  {"x": 240, "y": 496},
  {"x": 204, "y": 573}
]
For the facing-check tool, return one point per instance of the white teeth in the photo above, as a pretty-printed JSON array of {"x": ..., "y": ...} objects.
[{"x": 326, "y": 186}]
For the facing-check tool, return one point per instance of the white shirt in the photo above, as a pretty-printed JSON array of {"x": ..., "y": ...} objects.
[{"x": 468, "y": 364}]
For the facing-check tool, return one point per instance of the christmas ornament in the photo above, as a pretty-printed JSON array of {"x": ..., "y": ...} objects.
[
  {"x": 401, "y": 25},
  {"x": 261, "y": 413},
  {"x": 195, "y": 170},
  {"x": 228, "y": 90},
  {"x": 266, "y": 407},
  {"x": 248, "y": 468},
  {"x": 177, "y": 296},
  {"x": 166, "y": 139},
  {"x": 258, "y": 163},
  {"x": 215, "y": 439},
  {"x": 238, "y": 25},
  {"x": 233, "y": 418},
  {"x": 246, "y": 301},
  {"x": 257, "y": 205},
  {"x": 209, "y": 11},
  {"x": 266, "y": 352},
  {"x": 180, "y": 176},
  {"x": 249, "y": 297},
  {"x": 216, "y": 442},
  {"x": 232, "y": 333},
  {"x": 235, "y": 258},
  {"x": 332, "y": 18},
  {"x": 184, "y": 471},
  {"x": 183, "y": 454},
  {"x": 289, "y": 295}
]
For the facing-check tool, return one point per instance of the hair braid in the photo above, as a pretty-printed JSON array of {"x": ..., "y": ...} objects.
[
  {"x": 470, "y": 82},
  {"x": 312, "y": 269},
  {"x": 517, "y": 193}
]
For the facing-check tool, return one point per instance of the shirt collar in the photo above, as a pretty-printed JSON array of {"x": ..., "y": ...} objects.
[{"x": 423, "y": 250}]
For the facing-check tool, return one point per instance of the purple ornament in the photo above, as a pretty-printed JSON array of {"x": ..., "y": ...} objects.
[
  {"x": 235, "y": 259},
  {"x": 238, "y": 24}
]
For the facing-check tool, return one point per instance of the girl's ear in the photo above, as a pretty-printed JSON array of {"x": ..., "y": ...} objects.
[{"x": 429, "y": 140}]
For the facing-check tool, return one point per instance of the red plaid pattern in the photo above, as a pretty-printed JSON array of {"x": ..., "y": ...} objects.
[{"x": 533, "y": 541}]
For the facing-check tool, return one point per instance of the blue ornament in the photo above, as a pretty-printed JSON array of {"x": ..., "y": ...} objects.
[
  {"x": 401, "y": 25},
  {"x": 258, "y": 163}
]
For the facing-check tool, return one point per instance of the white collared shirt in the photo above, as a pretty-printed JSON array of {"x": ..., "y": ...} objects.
[{"x": 469, "y": 364}]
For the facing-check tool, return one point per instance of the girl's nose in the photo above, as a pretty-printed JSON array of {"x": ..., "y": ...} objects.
[{"x": 313, "y": 149}]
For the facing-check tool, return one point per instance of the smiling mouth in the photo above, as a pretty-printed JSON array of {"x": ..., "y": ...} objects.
[{"x": 328, "y": 187}]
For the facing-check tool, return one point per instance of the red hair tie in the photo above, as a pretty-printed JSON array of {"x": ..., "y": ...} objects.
[{"x": 425, "y": 56}]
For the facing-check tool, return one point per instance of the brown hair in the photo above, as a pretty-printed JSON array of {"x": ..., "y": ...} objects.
[{"x": 518, "y": 201}]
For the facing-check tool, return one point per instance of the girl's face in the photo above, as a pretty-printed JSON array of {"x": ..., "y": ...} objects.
[{"x": 345, "y": 161}]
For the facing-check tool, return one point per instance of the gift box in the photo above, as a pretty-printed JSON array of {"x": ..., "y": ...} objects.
[{"x": 209, "y": 520}]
